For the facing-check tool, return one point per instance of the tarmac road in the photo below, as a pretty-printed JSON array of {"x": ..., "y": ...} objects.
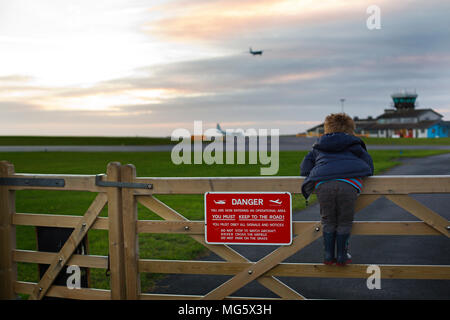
[{"x": 408, "y": 250}]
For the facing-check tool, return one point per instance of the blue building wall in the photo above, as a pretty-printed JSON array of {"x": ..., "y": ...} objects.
[{"x": 438, "y": 131}]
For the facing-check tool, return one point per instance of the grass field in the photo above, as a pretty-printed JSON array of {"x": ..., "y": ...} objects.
[
  {"x": 82, "y": 141},
  {"x": 152, "y": 246}
]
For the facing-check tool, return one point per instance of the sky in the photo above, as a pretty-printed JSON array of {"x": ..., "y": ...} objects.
[{"x": 146, "y": 68}]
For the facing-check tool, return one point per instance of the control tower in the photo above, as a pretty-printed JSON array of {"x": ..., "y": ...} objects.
[{"x": 404, "y": 100}]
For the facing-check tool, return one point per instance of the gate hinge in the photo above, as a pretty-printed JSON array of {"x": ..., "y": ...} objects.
[
  {"x": 133, "y": 185},
  {"x": 32, "y": 182}
]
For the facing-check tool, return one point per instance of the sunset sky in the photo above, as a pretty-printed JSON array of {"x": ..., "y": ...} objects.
[{"x": 146, "y": 68}]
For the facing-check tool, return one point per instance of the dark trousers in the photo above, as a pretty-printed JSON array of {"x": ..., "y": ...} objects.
[{"x": 337, "y": 206}]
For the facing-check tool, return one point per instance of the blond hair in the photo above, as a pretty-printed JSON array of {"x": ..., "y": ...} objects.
[{"x": 339, "y": 122}]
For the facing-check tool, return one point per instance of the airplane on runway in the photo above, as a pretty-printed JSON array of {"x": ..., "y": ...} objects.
[
  {"x": 229, "y": 132},
  {"x": 259, "y": 52}
]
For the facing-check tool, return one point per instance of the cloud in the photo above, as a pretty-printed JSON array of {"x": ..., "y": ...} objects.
[
  {"x": 222, "y": 19},
  {"x": 312, "y": 58},
  {"x": 14, "y": 78}
]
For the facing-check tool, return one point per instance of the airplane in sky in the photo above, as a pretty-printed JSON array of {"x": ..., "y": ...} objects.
[{"x": 259, "y": 52}]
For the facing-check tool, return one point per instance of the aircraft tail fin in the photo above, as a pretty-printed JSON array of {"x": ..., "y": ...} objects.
[{"x": 219, "y": 129}]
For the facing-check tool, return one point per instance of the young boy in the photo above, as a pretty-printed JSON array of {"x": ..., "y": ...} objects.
[{"x": 334, "y": 169}]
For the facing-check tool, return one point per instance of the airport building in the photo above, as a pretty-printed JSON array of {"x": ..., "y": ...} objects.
[{"x": 401, "y": 121}]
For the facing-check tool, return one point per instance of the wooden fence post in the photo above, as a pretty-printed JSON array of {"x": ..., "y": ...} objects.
[
  {"x": 8, "y": 268},
  {"x": 115, "y": 234},
  {"x": 130, "y": 235}
]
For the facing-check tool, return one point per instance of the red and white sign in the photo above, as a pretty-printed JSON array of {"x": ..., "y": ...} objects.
[{"x": 248, "y": 218}]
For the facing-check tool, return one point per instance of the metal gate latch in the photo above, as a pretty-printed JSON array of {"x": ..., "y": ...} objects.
[{"x": 133, "y": 185}]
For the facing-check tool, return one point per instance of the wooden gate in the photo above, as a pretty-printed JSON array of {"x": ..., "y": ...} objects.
[
  {"x": 124, "y": 227},
  {"x": 9, "y": 218}
]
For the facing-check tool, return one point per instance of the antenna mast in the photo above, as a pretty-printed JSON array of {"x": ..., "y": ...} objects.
[{"x": 342, "y": 104}]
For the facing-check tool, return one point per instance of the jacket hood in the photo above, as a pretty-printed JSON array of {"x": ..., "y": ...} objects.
[{"x": 336, "y": 142}]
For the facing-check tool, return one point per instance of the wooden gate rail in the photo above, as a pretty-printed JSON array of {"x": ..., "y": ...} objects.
[
  {"x": 372, "y": 228},
  {"x": 123, "y": 228},
  {"x": 376, "y": 185},
  {"x": 312, "y": 270}
]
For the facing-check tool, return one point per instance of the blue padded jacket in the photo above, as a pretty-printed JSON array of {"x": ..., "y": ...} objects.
[{"x": 335, "y": 155}]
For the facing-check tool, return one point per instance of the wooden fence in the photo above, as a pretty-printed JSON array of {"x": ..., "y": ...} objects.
[{"x": 118, "y": 190}]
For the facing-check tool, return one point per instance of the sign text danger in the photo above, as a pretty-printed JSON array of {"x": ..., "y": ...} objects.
[{"x": 248, "y": 218}]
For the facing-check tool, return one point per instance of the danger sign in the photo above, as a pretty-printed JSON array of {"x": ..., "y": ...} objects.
[{"x": 248, "y": 218}]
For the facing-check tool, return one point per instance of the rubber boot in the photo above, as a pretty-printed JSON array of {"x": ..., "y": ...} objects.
[
  {"x": 329, "y": 239},
  {"x": 342, "y": 255}
]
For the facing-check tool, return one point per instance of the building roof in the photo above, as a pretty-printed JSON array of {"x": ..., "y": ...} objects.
[
  {"x": 416, "y": 125},
  {"x": 405, "y": 113},
  {"x": 315, "y": 127},
  {"x": 373, "y": 125}
]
